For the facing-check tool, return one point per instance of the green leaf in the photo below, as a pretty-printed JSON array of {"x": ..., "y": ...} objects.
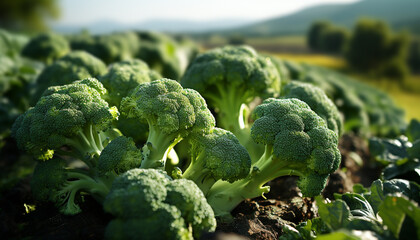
[
  {"x": 389, "y": 151},
  {"x": 342, "y": 235},
  {"x": 335, "y": 214},
  {"x": 393, "y": 212}
]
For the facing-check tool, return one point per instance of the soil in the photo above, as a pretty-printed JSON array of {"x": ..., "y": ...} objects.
[{"x": 261, "y": 218}]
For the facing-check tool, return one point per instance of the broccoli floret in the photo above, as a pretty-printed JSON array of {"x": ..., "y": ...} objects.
[
  {"x": 216, "y": 156},
  {"x": 148, "y": 203},
  {"x": 46, "y": 47},
  {"x": 51, "y": 181},
  {"x": 297, "y": 142},
  {"x": 119, "y": 156},
  {"x": 317, "y": 101},
  {"x": 171, "y": 112},
  {"x": 123, "y": 77},
  {"x": 73, "y": 115},
  {"x": 73, "y": 66}
]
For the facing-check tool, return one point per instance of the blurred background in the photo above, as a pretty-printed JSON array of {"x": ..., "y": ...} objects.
[{"x": 376, "y": 41}]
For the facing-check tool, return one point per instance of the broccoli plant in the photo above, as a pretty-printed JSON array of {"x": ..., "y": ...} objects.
[
  {"x": 171, "y": 112},
  {"x": 55, "y": 182},
  {"x": 148, "y": 203},
  {"x": 46, "y": 47},
  {"x": 74, "y": 115},
  {"x": 229, "y": 78},
  {"x": 73, "y": 66},
  {"x": 297, "y": 142},
  {"x": 216, "y": 156}
]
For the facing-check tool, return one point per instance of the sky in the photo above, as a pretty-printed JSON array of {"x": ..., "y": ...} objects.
[{"x": 134, "y": 11}]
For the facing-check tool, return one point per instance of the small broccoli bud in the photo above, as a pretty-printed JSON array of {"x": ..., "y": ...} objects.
[
  {"x": 119, "y": 156},
  {"x": 147, "y": 201},
  {"x": 171, "y": 112},
  {"x": 216, "y": 156}
]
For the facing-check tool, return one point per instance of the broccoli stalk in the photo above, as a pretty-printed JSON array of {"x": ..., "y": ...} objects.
[
  {"x": 51, "y": 181},
  {"x": 217, "y": 155},
  {"x": 171, "y": 112},
  {"x": 297, "y": 142},
  {"x": 157, "y": 147},
  {"x": 230, "y": 78}
]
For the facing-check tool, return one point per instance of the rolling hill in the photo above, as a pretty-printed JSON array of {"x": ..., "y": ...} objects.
[{"x": 399, "y": 14}]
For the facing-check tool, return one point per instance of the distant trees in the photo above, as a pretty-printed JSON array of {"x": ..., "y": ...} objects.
[
  {"x": 375, "y": 49},
  {"x": 323, "y": 36},
  {"x": 27, "y": 15},
  {"x": 371, "y": 47},
  {"x": 414, "y": 56}
]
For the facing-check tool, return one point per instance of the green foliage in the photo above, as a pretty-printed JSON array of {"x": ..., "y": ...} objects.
[
  {"x": 169, "y": 209},
  {"x": 46, "y": 47},
  {"x": 29, "y": 16},
  {"x": 374, "y": 49},
  {"x": 399, "y": 157},
  {"x": 323, "y": 36},
  {"x": 315, "y": 32},
  {"x": 73, "y": 66},
  {"x": 333, "y": 39},
  {"x": 388, "y": 210},
  {"x": 11, "y": 44},
  {"x": 414, "y": 56}
]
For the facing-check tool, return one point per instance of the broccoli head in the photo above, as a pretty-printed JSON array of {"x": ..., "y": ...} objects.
[
  {"x": 119, "y": 156},
  {"x": 317, "y": 101},
  {"x": 46, "y": 47},
  {"x": 73, "y": 66},
  {"x": 148, "y": 203},
  {"x": 73, "y": 115},
  {"x": 229, "y": 77},
  {"x": 123, "y": 77},
  {"x": 216, "y": 156},
  {"x": 297, "y": 142},
  {"x": 171, "y": 112}
]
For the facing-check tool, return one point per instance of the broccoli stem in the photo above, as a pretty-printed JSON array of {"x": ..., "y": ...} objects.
[
  {"x": 228, "y": 101},
  {"x": 86, "y": 142},
  {"x": 225, "y": 196},
  {"x": 157, "y": 147},
  {"x": 75, "y": 183},
  {"x": 200, "y": 174}
]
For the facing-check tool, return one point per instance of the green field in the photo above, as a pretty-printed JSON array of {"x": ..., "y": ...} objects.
[{"x": 406, "y": 96}]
